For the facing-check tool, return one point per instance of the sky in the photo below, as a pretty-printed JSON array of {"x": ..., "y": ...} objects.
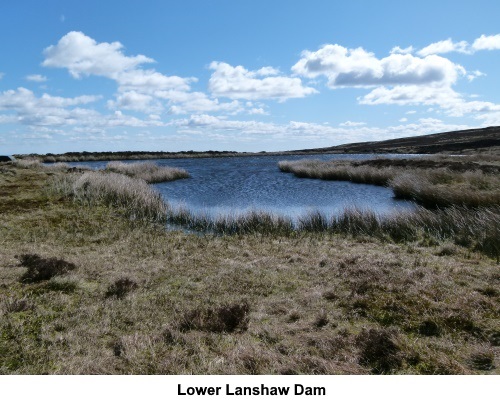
[{"x": 242, "y": 75}]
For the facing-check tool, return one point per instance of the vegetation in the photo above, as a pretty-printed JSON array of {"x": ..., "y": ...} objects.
[
  {"x": 469, "y": 141},
  {"x": 148, "y": 171},
  {"x": 399, "y": 295},
  {"x": 441, "y": 183}
]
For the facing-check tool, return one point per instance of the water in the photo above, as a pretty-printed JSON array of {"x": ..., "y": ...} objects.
[{"x": 240, "y": 184}]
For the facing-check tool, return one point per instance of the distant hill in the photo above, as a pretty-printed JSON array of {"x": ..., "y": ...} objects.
[{"x": 481, "y": 140}]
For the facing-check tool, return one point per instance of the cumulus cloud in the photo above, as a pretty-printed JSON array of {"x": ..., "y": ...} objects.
[
  {"x": 236, "y": 82},
  {"x": 83, "y": 56},
  {"x": 444, "y": 47},
  {"x": 484, "y": 42},
  {"x": 404, "y": 51},
  {"x": 444, "y": 97},
  {"x": 219, "y": 127},
  {"x": 24, "y": 107},
  {"x": 132, "y": 100},
  {"x": 143, "y": 90},
  {"x": 36, "y": 78},
  {"x": 352, "y": 124},
  {"x": 410, "y": 95},
  {"x": 490, "y": 42},
  {"x": 44, "y": 110},
  {"x": 358, "y": 68}
]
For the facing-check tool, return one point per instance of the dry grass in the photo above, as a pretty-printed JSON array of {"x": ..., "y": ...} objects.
[
  {"x": 308, "y": 302},
  {"x": 134, "y": 196},
  {"x": 148, "y": 171},
  {"x": 437, "y": 182}
]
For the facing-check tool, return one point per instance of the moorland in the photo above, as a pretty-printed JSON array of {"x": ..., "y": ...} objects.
[{"x": 92, "y": 282}]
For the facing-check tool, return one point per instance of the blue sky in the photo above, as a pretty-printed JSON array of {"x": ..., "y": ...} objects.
[{"x": 242, "y": 75}]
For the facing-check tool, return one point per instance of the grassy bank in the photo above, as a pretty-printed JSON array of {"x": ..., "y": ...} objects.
[
  {"x": 89, "y": 288},
  {"x": 432, "y": 182},
  {"x": 147, "y": 171}
]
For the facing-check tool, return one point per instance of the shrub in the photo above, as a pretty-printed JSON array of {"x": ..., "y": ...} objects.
[
  {"x": 121, "y": 287},
  {"x": 225, "y": 318},
  {"x": 40, "y": 269},
  {"x": 379, "y": 350},
  {"x": 482, "y": 359}
]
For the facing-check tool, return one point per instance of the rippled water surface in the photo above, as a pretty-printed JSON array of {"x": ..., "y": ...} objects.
[{"x": 238, "y": 184}]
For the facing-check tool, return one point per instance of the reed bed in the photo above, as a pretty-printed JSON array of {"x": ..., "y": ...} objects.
[
  {"x": 431, "y": 187},
  {"x": 338, "y": 170},
  {"x": 148, "y": 171},
  {"x": 28, "y": 163},
  {"x": 252, "y": 222},
  {"x": 134, "y": 196},
  {"x": 442, "y": 187},
  {"x": 477, "y": 229}
]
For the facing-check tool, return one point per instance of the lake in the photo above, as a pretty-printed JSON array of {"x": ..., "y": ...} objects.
[{"x": 235, "y": 185}]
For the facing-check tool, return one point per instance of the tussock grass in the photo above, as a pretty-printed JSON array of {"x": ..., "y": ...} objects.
[
  {"x": 28, "y": 163},
  {"x": 223, "y": 318},
  {"x": 121, "y": 287},
  {"x": 148, "y": 171},
  {"x": 430, "y": 186},
  {"x": 338, "y": 170},
  {"x": 116, "y": 190},
  {"x": 379, "y": 350},
  {"x": 40, "y": 269}
]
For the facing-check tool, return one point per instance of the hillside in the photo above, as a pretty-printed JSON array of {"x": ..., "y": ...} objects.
[{"x": 481, "y": 140}]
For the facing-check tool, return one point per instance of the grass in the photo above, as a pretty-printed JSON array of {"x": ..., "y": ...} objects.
[
  {"x": 141, "y": 300},
  {"x": 133, "y": 196},
  {"x": 432, "y": 183},
  {"x": 148, "y": 171}
]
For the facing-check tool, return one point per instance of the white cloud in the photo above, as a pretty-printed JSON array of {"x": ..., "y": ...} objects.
[
  {"x": 132, "y": 100},
  {"x": 143, "y": 90},
  {"x": 219, "y": 128},
  {"x": 240, "y": 83},
  {"x": 444, "y": 47},
  {"x": 358, "y": 68},
  {"x": 410, "y": 95},
  {"x": 446, "y": 98},
  {"x": 403, "y": 51},
  {"x": 83, "y": 56},
  {"x": 1, "y": 75},
  {"x": 352, "y": 124},
  {"x": 36, "y": 78},
  {"x": 474, "y": 75},
  {"x": 410, "y": 112},
  {"x": 403, "y": 119},
  {"x": 489, "y": 119},
  {"x": 27, "y": 109},
  {"x": 484, "y": 42}
]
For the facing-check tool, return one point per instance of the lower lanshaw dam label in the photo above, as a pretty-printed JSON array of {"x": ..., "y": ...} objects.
[{"x": 298, "y": 389}]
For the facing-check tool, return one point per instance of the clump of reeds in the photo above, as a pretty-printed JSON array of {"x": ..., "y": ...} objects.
[
  {"x": 338, "y": 170},
  {"x": 148, "y": 171},
  {"x": 251, "y": 222},
  {"x": 28, "y": 163},
  {"x": 431, "y": 187},
  {"x": 442, "y": 187},
  {"x": 138, "y": 199}
]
